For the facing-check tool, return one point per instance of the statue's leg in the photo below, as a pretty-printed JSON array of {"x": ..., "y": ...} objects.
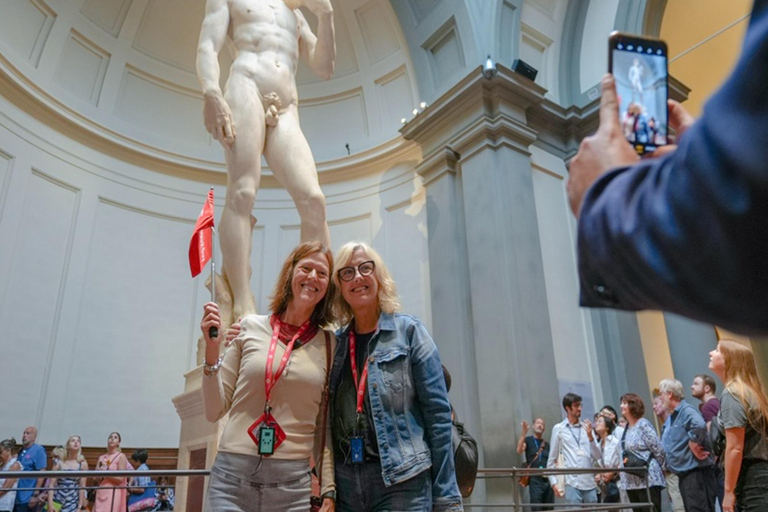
[
  {"x": 243, "y": 176},
  {"x": 290, "y": 159}
]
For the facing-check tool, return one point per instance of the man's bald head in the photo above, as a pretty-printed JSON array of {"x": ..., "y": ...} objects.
[{"x": 29, "y": 437}]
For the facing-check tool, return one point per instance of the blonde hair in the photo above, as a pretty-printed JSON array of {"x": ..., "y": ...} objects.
[
  {"x": 743, "y": 382},
  {"x": 322, "y": 315},
  {"x": 59, "y": 452},
  {"x": 389, "y": 302},
  {"x": 80, "y": 457}
]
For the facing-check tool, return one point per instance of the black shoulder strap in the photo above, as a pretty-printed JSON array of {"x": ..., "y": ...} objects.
[
  {"x": 319, "y": 462},
  {"x": 624, "y": 436}
]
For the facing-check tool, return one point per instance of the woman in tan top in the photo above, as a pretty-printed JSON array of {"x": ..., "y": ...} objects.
[{"x": 275, "y": 410}]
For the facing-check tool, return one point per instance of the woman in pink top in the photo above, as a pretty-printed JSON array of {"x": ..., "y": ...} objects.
[{"x": 109, "y": 499}]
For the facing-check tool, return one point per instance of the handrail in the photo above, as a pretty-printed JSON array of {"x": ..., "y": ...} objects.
[
  {"x": 103, "y": 473},
  {"x": 517, "y": 504},
  {"x": 483, "y": 473}
]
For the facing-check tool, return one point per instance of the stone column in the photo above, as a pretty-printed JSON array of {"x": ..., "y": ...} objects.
[{"x": 489, "y": 304}]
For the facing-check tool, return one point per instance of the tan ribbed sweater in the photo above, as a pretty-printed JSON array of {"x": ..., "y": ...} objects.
[{"x": 238, "y": 388}]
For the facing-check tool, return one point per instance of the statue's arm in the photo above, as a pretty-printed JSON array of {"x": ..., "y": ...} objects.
[
  {"x": 318, "y": 51},
  {"x": 213, "y": 34},
  {"x": 216, "y": 113}
]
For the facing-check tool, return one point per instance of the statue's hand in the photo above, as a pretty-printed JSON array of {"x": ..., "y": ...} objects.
[
  {"x": 218, "y": 119},
  {"x": 319, "y": 7}
]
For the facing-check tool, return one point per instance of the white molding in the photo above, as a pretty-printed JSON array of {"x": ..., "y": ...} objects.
[
  {"x": 117, "y": 25},
  {"x": 189, "y": 404}
]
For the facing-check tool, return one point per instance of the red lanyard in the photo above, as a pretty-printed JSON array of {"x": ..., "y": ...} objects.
[
  {"x": 363, "y": 378},
  {"x": 270, "y": 379}
]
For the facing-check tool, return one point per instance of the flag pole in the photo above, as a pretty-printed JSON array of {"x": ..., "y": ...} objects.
[
  {"x": 213, "y": 332},
  {"x": 213, "y": 265}
]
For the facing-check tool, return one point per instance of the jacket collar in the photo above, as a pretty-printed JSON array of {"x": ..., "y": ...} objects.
[{"x": 386, "y": 323}]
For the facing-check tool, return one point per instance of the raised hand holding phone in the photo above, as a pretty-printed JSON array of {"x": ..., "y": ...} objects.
[{"x": 639, "y": 67}]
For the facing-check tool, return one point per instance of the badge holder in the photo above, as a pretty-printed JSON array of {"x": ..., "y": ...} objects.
[
  {"x": 357, "y": 443},
  {"x": 267, "y": 434}
]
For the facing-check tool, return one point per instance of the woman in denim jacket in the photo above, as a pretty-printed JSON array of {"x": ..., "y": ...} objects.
[{"x": 390, "y": 412}]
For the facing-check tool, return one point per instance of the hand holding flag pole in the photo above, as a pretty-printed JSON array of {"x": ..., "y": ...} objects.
[{"x": 201, "y": 249}]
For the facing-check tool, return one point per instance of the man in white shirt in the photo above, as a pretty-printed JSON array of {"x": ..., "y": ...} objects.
[{"x": 575, "y": 441}]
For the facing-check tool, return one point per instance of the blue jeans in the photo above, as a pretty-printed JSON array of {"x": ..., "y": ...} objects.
[
  {"x": 573, "y": 495},
  {"x": 239, "y": 484},
  {"x": 360, "y": 488}
]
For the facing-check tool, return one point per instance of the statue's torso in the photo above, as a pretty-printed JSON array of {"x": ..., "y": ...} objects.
[{"x": 266, "y": 35}]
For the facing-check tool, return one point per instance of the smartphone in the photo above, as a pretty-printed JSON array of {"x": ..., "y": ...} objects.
[{"x": 639, "y": 68}]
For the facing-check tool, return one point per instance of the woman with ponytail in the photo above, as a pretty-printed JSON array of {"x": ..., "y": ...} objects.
[{"x": 743, "y": 418}]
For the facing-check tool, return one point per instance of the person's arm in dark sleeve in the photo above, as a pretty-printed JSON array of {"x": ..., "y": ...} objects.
[{"x": 687, "y": 232}]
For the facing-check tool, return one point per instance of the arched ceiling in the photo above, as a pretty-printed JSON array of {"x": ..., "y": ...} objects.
[{"x": 125, "y": 69}]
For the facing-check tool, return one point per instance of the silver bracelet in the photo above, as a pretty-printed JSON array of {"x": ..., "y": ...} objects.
[{"x": 211, "y": 370}]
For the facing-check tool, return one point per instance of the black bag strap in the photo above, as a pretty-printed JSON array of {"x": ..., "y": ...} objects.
[
  {"x": 538, "y": 453},
  {"x": 623, "y": 437}
]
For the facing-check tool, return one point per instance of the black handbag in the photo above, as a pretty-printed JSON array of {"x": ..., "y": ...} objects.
[
  {"x": 465, "y": 457},
  {"x": 632, "y": 460}
]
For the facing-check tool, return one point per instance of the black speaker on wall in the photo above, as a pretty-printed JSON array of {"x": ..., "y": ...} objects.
[{"x": 528, "y": 71}]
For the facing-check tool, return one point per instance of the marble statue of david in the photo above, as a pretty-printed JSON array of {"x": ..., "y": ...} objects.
[{"x": 257, "y": 114}]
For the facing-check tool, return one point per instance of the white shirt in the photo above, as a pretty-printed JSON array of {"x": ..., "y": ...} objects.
[
  {"x": 611, "y": 453},
  {"x": 8, "y": 499},
  {"x": 578, "y": 452}
]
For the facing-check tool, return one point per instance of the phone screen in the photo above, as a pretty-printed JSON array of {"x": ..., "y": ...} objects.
[{"x": 639, "y": 68}]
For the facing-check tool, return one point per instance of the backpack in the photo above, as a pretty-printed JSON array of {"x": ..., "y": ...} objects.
[{"x": 464, "y": 457}]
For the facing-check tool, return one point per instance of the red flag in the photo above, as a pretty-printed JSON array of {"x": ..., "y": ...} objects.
[{"x": 201, "y": 245}]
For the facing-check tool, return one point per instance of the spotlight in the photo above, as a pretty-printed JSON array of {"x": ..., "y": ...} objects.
[
  {"x": 403, "y": 120},
  {"x": 415, "y": 111},
  {"x": 490, "y": 68},
  {"x": 423, "y": 105}
]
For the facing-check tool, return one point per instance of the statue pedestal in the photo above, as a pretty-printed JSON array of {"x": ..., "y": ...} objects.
[{"x": 198, "y": 442}]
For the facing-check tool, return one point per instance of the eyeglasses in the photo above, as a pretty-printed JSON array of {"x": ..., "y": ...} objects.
[{"x": 366, "y": 268}]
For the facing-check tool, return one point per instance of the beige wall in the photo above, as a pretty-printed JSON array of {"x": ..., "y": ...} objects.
[{"x": 704, "y": 39}]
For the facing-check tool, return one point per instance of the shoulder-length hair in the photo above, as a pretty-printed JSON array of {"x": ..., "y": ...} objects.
[
  {"x": 743, "y": 382},
  {"x": 389, "y": 302},
  {"x": 322, "y": 315},
  {"x": 80, "y": 457},
  {"x": 635, "y": 405}
]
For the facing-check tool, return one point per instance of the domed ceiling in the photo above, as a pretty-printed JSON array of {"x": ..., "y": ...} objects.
[{"x": 125, "y": 69}]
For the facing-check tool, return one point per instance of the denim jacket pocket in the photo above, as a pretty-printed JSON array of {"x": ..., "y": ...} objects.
[{"x": 393, "y": 367}]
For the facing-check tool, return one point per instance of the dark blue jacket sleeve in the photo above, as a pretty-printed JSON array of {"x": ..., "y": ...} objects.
[{"x": 688, "y": 233}]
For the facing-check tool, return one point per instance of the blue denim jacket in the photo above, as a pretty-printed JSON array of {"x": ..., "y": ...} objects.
[{"x": 411, "y": 412}]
